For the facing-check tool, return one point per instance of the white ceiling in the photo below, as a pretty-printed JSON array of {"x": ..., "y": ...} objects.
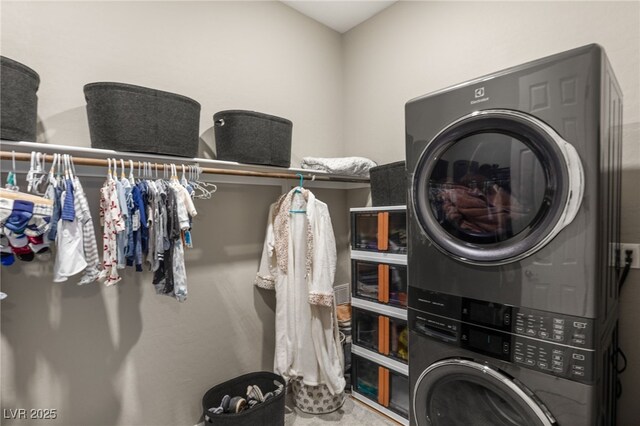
[{"x": 339, "y": 15}]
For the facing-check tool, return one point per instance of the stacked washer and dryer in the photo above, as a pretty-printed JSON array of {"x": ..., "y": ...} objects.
[{"x": 514, "y": 222}]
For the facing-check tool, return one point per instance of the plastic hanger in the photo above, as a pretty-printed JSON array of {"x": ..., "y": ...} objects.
[
  {"x": 12, "y": 180},
  {"x": 132, "y": 180},
  {"x": 115, "y": 169},
  {"x": 109, "y": 173},
  {"x": 31, "y": 172},
  {"x": 11, "y": 190},
  {"x": 183, "y": 179},
  {"x": 298, "y": 190},
  {"x": 73, "y": 166},
  {"x": 37, "y": 175},
  {"x": 52, "y": 171},
  {"x": 206, "y": 188},
  {"x": 68, "y": 173}
]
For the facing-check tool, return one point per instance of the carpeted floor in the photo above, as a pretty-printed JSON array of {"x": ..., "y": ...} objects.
[{"x": 352, "y": 413}]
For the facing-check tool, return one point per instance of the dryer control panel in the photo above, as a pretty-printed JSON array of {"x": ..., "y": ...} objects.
[
  {"x": 550, "y": 327},
  {"x": 555, "y": 328},
  {"x": 552, "y": 343}
]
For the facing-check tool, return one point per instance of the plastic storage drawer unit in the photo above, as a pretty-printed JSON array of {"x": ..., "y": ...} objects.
[{"x": 381, "y": 231}]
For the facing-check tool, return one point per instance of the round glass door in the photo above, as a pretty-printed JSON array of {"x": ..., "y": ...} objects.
[
  {"x": 460, "y": 392},
  {"x": 495, "y": 186}
]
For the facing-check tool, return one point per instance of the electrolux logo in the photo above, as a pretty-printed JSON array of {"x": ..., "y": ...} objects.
[{"x": 478, "y": 93}]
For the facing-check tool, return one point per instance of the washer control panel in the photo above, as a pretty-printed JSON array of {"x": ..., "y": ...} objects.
[{"x": 573, "y": 363}]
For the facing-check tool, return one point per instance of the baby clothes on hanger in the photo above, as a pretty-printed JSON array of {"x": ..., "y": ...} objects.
[
  {"x": 112, "y": 222},
  {"x": 70, "y": 259},
  {"x": 24, "y": 224},
  {"x": 171, "y": 220},
  {"x": 74, "y": 233},
  {"x": 163, "y": 278},
  {"x": 143, "y": 221},
  {"x": 69, "y": 254},
  {"x": 138, "y": 221},
  {"x": 185, "y": 211},
  {"x": 24, "y": 218},
  {"x": 125, "y": 237},
  {"x": 89, "y": 244},
  {"x": 54, "y": 193},
  {"x": 122, "y": 237}
]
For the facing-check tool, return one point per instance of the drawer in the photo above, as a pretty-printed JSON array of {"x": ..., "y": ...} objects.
[
  {"x": 381, "y": 385},
  {"x": 379, "y": 333},
  {"x": 383, "y": 231},
  {"x": 379, "y": 282}
]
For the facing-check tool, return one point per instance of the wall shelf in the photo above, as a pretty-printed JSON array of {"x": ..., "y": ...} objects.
[{"x": 87, "y": 159}]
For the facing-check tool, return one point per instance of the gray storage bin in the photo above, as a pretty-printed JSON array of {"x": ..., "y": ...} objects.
[
  {"x": 389, "y": 185},
  {"x": 269, "y": 413},
  {"x": 125, "y": 117},
  {"x": 253, "y": 137},
  {"x": 18, "y": 101}
]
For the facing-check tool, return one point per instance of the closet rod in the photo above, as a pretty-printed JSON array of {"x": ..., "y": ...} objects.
[{"x": 99, "y": 162}]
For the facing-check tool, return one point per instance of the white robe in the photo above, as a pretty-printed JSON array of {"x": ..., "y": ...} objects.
[{"x": 299, "y": 263}]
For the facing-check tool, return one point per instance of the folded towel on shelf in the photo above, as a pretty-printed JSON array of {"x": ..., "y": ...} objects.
[{"x": 358, "y": 166}]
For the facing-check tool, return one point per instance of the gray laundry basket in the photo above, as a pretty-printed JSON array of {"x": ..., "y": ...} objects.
[
  {"x": 388, "y": 185},
  {"x": 125, "y": 117},
  {"x": 253, "y": 137},
  {"x": 18, "y": 101},
  {"x": 268, "y": 413}
]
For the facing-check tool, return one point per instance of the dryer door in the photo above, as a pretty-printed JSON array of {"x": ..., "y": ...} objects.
[
  {"x": 495, "y": 186},
  {"x": 457, "y": 392}
]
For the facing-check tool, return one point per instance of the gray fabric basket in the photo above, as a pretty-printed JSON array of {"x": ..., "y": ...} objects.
[
  {"x": 18, "y": 101},
  {"x": 124, "y": 117},
  {"x": 389, "y": 185},
  {"x": 269, "y": 413},
  {"x": 253, "y": 137}
]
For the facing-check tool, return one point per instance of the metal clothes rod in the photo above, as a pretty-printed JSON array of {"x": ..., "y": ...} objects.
[{"x": 99, "y": 162}]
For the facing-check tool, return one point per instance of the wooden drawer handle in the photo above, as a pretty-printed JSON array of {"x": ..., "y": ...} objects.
[
  {"x": 385, "y": 273},
  {"x": 381, "y": 385},
  {"x": 381, "y": 289},
  {"x": 381, "y": 335},
  {"x": 383, "y": 231}
]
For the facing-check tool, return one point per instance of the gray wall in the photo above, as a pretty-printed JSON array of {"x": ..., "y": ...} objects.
[
  {"x": 413, "y": 48},
  {"x": 123, "y": 355},
  {"x": 128, "y": 357},
  {"x": 261, "y": 56}
]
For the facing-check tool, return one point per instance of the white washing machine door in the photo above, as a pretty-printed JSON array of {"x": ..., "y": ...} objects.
[
  {"x": 496, "y": 186},
  {"x": 458, "y": 392}
]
